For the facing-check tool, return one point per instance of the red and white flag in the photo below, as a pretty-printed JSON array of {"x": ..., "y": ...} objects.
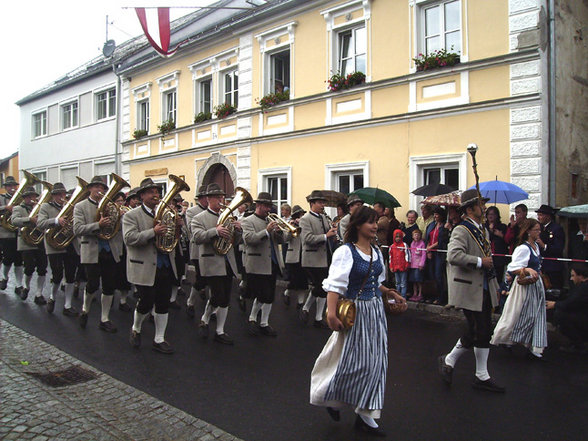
[{"x": 159, "y": 37}]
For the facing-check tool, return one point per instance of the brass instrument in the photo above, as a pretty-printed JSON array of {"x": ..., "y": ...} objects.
[
  {"x": 286, "y": 227},
  {"x": 60, "y": 236},
  {"x": 30, "y": 180},
  {"x": 166, "y": 214},
  {"x": 107, "y": 208},
  {"x": 34, "y": 235},
  {"x": 221, "y": 245}
]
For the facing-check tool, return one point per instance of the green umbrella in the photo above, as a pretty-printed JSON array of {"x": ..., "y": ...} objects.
[
  {"x": 371, "y": 195},
  {"x": 578, "y": 211}
]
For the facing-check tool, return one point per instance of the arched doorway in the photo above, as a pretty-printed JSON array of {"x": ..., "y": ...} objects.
[{"x": 219, "y": 174}]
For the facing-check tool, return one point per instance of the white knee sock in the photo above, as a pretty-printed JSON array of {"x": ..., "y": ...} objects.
[
  {"x": 54, "y": 290},
  {"x": 106, "y": 303},
  {"x": 174, "y": 294},
  {"x": 40, "y": 285},
  {"x": 457, "y": 351},
  {"x": 221, "y": 318},
  {"x": 88, "y": 297},
  {"x": 254, "y": 310},
  {"x": 160, "y": 325},
  {"x": 18, "y": 272},
  {"x": 69, "y": 287},
  {"x": 369, "y": 421},
  {"x": 287, "y": 293},
  {"x": 309, "y": 301},
  {"x": 482, "y": 363},
  {"x": 301, "y": 295},
  {"x": 123, "y": 296},
  {"x": 320, "y": 308},
  {"x": 5, "y": 269},
  {"x": 27, "y": 282},
  {"x": 192, "y": 298},
  {"x": 207, "y": 311},
  {"x": 138, "y": 321},
  {"x": 265, "y": 312}
]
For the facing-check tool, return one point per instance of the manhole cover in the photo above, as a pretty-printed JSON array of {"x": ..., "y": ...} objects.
[{"x": 66, "y": 377}]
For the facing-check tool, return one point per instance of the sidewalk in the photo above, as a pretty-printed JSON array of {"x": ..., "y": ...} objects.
[{"x": 96, "y": 407}]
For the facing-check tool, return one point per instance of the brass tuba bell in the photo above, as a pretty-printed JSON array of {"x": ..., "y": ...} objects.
[
  {"x": 166, "y": 214},
  {"x": 30, "y": 180},
  {"x": 221, "y": 245},
  {"x": 34, "y": 235},
  {"x": 108, "y": 209}
]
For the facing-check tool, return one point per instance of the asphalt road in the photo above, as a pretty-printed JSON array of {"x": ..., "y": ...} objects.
[{"x": 258, "y": 389}]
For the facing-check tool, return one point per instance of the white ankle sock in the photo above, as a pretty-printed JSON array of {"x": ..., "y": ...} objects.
[
  {"x": 482, "y": 363},
  {"x": 221, "y": 318},
  {"x": 18, "y": 272},
  {"x": 160, "y": 325},
  {"x": 266, "y": 308},
  {"x": 207, "y": 311},
  {"x": 123, "y": 296},
  {"x": 69, "y": 287},
  {"x": 457, "y": 351},
  {"x": 5, "y": 270},
  {"x": 309, "y": 301},
  {"x": 40, "y": 285},
  {"x": 88, "y": 297},
  {"x": 138, "y": 321},
  {"x": 54, "y": 290},
  {"x": 106, "y": 303},
  {"x": 254, "y": 310},
  {"x": 369, "y": 421},
  {"x": 27, "y": 282},
  {"x": 320, "y": 308}
]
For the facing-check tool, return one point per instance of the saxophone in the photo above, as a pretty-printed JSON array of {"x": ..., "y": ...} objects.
[
  {"x": 59, "y": 237},
  {"x": 34, "y": 235},
  {"x": 221, "y": 245},
  {"x": 166, "y": 214},
  {"x": 108, "y": 209},
  {"x": 30, "y": 180}
]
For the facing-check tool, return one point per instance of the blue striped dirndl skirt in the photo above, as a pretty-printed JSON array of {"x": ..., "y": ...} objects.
[{"x": 531, "y": 327}]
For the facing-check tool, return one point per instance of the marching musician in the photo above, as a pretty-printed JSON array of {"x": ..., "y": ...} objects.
[
  {"x": 152, "y": 271},
  {"x": 80, "y": 279},
  {"x": 316, "y": 255},
  {"x": 122, "y": 284},
  {"x": 297, "y": 283},
  {"x": 10, "y": 253},
  {"x": 353, "y": 203},
  {"x": 33, "y": 255},
  {"x": 132, "y": 199},
  {"x": 199, "y": 285},
  {"x": 99, "y": 257},
  {"x": 181, "y": 252},
  {"x": 263, "y": 262},
  {"x": 60, "y": 260},
  {"x": 217, "y": 270}
]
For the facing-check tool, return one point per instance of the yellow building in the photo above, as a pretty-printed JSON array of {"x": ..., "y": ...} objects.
[
  {"x": 400, "y": 129},
  {"x": 8, "y": 167}
]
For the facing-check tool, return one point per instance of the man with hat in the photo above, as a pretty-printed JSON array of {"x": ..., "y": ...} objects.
[
  {"x": 551, "y": 244},
  {"x": 473, "y": 287},
  {"x": 60, "y": 260},
  {"x": 263, "y": 262},
  {"x": 10, "y": 253},
  {"x": 217, "y": 270},
  {"x": 316, "y": 255},
  {"x": 99, "y": 257},
  {"x": 298, "y": 282},
  {"x": 181, "y": 251},
  {"x": 132, "y": 199},
  {"x": 353, "y": 203},
  {"x": 33, "y": 255},
  {"x": 199, "y": 285},
  {"x": 152, "y": 271}
]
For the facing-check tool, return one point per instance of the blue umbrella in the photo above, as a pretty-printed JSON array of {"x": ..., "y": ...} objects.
[{"x": 500, "y": 192}]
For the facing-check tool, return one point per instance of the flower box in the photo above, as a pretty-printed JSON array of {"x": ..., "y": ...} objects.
[
  {"x": 166, "y": 126},
  {"x": 339, "y": 82},
  {"x": 436, "y": 59},
  {"x": 223, "y": 110},
  {"x": 271, "y": 99}
]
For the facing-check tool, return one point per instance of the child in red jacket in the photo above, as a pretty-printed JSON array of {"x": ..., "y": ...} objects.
[{"x": 399, "y": 261}]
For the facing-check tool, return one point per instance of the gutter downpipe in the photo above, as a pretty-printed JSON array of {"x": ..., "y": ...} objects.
[
  {"x": 552, "y": 109},
  {"x": 117, "y": 153}
]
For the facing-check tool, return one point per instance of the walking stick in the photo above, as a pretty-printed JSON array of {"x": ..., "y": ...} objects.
[{"x": 472, "y": 149}]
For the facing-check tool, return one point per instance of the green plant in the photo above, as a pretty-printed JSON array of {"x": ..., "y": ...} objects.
[
  {"x": 271, "y": 99},
  {"x": 139, "y": 133},
  {"x": 202, "y": 116},
  {"x": 223, "y": 110},
  {"x": 438, "y": 58},
  {"x": 340, "y": 82},
  {"x": 167, "y": 126}
]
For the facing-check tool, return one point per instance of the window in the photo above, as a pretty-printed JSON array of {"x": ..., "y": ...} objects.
[
  {"x": 42, "y": 175},
  {"x": 68, "y": 177},
  {"x": 441, "y": 25},
  {"x": 69, "y": 115},
  {"x": 106, "y": 104},
  {"x": 231, "y": 88},
  {"x": 447, "y": 174},
  {"x": 352, "y": 45},
  {"x": 348, "y": 181},
  {"x": 277, "y": 186},
  {"x": 143, "y": 115},
  {"x": 204, "y": 90},
  {"x": 39, "y": 124},
  {"x": 169, "y": 106},
  {"x": 279, "y": 71}
]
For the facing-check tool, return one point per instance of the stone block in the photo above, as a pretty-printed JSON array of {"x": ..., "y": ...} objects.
[
  {"x": 525, "y": 167},
  {"x": 525, "y": 114},
  {"x": 526, "y": 69},
  {"x": 523, "y": 21},
  {"x": 525, "y": 149},
  {"x": 528, "y": 183},
  {"x": 516, "y": 6},
  {"x": 525, "y": 86},
  {"x": 525, "y": 131}
]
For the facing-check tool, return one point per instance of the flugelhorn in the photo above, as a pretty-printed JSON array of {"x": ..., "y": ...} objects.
[
  {"x": 286, "y": 227},
  {"x": 34, "y": 235},
  {"x": 30, "y": 180}
]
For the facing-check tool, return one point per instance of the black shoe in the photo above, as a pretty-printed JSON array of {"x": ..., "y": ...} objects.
[
  {"x": 286, "y": 299},
  {"x": 334, "y": 414},
  {"x": 3, "y": 284},
  {"x": 124, "y": 307},
  {"x": 268, "y": 331},
  {"x": 70, "y": 312},
  {"x": 445, "y": 370},
  {"x": 107, "y": 326},
  {"x": 203, "y": 330},
  {"x": 252, "y": 327},
  {"x": 488, "y": 385},
  {"x": 174, "y": 305},
  {"x": 23, "y": 293},
  {"x": 50, "y": 306},
  {"x": 39, "y": 300},
  {"x": 135, "y": 339},
  {"x": 163, "y": 347},
  {"x": 303, "y": 316},
  {"x": 83, "y": 319},
  {"x": 363, "y": 427},
  {"x": 320, "y": 324},
  {"x": 242, "y": 304},
  {"x": 190, "y": 311},
  {"x": 224, "y": 339},
  {"x": 181, "y": 292}
]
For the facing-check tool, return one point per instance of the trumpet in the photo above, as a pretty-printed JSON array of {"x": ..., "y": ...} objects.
[{"x": 284, "y": 226}]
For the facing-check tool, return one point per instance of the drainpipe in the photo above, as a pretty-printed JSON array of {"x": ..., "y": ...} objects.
[
  {"x": 117, "y": 153},
  {"x": 551, "y": 104}
]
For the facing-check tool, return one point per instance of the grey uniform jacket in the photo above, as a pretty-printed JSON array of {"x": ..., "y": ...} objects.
[
  {"x": 139, "y": 237},
  {"x": 190, "y": 213},
  {"x": 211, "y": 264},
  {"x": 258, "y": 254},
  {"x": 465, "y": 280},
  {"x": 314, "y": 243},
  {"x": 47, "y": 219},
  {"x": 343, "y": 224},
  {"x": 86, "y": 227},
  {"x": 20, "y": 218},
  {"x": 293, "y": 252},
  {"x": 4, "y": 233}
]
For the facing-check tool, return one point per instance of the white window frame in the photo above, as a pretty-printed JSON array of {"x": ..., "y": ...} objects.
[
  {"x": 62, "y": 118},
  {"x": 269, "y": 78},
  {"x": 164, "y": 182},
  {"x": 339, "y": 60},
  {"x": 143, "y": 123},
  {"x": 282, "y": 172},
  {"x": 141, "y": 94},
  {"x": 198, "y": 84},
  {"x": 39, "y": 187},
  {"x": 234, "y": 93},
  {"x": 109, "y": 108},
  {"x": 332, "y": 171},
  {"x": 274, "y": 35},
  {"x": 68, "y": 167},
  {"x": 165, "y": 110},
  {"x": 168, "y": 84},
  {"x": 43, "y": 124}
]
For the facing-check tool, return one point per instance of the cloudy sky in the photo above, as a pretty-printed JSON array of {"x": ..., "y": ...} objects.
[{"x": 43, "y": 40}]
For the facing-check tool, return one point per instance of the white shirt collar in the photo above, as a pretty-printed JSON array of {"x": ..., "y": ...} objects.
[
  {"x": 148, "y": 210},
  {"x": 475, "y": 223}
]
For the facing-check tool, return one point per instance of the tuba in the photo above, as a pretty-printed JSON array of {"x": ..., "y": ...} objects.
[
  {"x": 30, "y": 180},
  {"x": 166, "y": 214},
  {"x": 283, "y": 225},
  {"x": 59, "y": 237},
  {"x": 108, "y": 209},
  {"x": 221, "y": 245},
  {"x": 34, "y": 235}
]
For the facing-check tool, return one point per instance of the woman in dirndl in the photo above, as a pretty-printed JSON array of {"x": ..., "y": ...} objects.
[
  {"x": 351, "y": 369},
  {"x": 523, "y": 319}
]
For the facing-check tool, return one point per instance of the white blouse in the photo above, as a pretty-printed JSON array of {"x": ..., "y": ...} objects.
[
  {"x": 340, "y": 268},
  {"x": 521, "y": 256}
]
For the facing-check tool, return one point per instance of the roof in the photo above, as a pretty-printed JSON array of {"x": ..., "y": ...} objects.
[{"x": 8, "y": 158}]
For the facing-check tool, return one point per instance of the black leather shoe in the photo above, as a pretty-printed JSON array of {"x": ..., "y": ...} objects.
[
  {"x": 252, "y": 327},
  {"x": 445, "y": 370},
  {"x": 107, "y": 326},
  {"x": 286, "y": 298},
  {"x": 39, "y": 300},
  {"x": 203, "y": 330},
  {"x": 334, "y": 414},
  {"x": 320, "y": 324},
  {"x": 268, "y": 331},
  {"x": 124, "y": 307},
  {"x": 3, "y": 284},
  {"x": 70, "y": 312},
  {"x": 363, "y": 427},
  {"x": 135, "y": 339},
  {"x": 190, "y": 311},
  {"x": 242, "y": 304},
  {"x": 303, "y": 316},
  {"x": 163, "y": 347},
  {"x": 488, "y": 385},
  {"x": 174, "y": 305},
  {"x": 50, "y": 306},
  {"x": 224, "y": 339},
  {"x": 83, "y": 319}
]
